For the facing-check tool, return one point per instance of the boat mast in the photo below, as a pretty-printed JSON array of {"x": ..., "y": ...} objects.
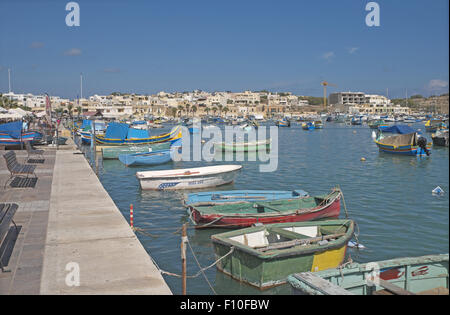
[{"x": 9, "y": 80}]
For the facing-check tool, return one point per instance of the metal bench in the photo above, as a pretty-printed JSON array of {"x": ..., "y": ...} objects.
[
  {"x": 17, "y": 169},
  {"x": 31, "y": 151},
  {"x": 7, "y": 212}
]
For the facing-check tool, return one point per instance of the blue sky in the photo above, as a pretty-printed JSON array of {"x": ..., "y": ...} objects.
[{"x": 149, "y": 46}]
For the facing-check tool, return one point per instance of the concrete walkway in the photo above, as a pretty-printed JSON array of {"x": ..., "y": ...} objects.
[{"x": 86, "y": 228}]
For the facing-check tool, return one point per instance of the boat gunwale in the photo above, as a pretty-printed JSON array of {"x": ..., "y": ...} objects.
[
  {"x": 224, "y": 239},
  {"x": 273, "y": 214}
]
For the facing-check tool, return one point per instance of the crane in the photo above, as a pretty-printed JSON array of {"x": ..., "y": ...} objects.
[{"x": 325, "y": 84}]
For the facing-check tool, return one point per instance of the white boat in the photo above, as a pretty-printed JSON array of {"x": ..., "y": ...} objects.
[{"x": 189, "y": 178}]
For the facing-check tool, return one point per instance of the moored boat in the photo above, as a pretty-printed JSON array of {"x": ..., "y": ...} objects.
[
  {"x": 245, "y": 213},
  {"x": 426, "y": 275},
  {"x": 11, "y": 134},
  {"x": 228, "y": 196},
  {"x": 243, "y": 146},
  {"x": 193, "y": 178},
  {"x": 113, "y": 152},
  {"x": 440, "y": 138},
  {"x": 308, "y": 126},
  {"x": 406, "y": 142},
  {"x": 265, "y": 255},
  {"x": 121, "y": 134}
]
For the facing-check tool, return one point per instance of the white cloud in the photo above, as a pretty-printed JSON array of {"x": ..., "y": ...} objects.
[
  {"x": 328, "y": 55},
  {"x": 72, "y": 52},
  {"x": 437, "y": 84},
  {"x": 37, "y": 45},
  {"x": 353, "y": 50}
]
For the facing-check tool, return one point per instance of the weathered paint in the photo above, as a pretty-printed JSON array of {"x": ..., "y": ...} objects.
[{"x": 328, "y": 259}]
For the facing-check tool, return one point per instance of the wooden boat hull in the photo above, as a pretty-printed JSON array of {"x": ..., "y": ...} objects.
[
  {"x": 194, "y": 180},
  {"x": 171, "y": 136},
  {"x": 243, "y": 147},
  {"x": 403, "y": 150},
  {"x": 419, "y": 275},
  {"x": 148, "y": 158},
  {"x": 440, "y": 141},
  {"x": 265, "y": 269},
  {"x": 242, "y": 217},
  {"x": 7, "y": 140},
  {"x": 218, "y": 197},
  {"x": 112, "y": 153}
]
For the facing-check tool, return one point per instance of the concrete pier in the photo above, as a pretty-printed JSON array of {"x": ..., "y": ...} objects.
[{"x": 81, "y": 227}]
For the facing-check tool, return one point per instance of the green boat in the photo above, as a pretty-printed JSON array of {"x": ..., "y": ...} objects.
[
  {"x": 426, "y": 275},
  {"x": 244, "y": 146},
  {"x": 377, "y": 123},
  {"x": 265, "y": 255},
  {"x": 112, "y": 153}
]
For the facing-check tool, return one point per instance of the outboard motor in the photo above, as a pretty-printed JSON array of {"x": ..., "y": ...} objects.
[{"x": 422, "y": 143}]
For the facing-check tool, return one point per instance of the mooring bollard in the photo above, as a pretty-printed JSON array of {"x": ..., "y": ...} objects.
[{"x": 131, "y": 216}]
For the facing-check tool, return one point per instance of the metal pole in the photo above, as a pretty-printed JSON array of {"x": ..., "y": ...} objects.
[
  {"x": 9, "y": 80},
  {"x": 183, "y": 258}
]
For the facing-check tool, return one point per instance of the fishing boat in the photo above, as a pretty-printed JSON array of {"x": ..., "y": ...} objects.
[
  {"x": 435, "y": 125},
  {"x": 265, "y": 255},
  {"x": 406, "y": 142},
  {"x": 152, "y": 158},
  {"x": 221, "y": 197},
  {"x": 356, "y": 121},
  {"x": 318, "y": 124},
  {"x": 243, "y": 146},
  {"x": 121, "y": 134},
  {"x": 244, "y": 213},
  {"x": 426, "y": 275},
  {"x": 192, "y": 178},
  {"x": 376, "y": 124},
  {"x": 283, "y": 123},
  {"x": 440, "y": 138},
  {"x": 147, "y": 158},
  {"x": 113, "y": 152},
  {"x": 308, "y": 126},
  {"x": 12, "y": 134}
]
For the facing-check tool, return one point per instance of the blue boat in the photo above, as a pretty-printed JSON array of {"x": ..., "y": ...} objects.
[
  {"x": 233, "y": 196},
  {"x": 12, "y": 134},
  {"x": 122, "y": 134},
  {"x": 151, "y": 158},
  {"x": 308, "y": 126},
  {"x": 405, "y": 142}
]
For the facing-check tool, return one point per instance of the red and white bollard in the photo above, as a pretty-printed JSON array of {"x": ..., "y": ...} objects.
[{"x": 131, "y": 216}]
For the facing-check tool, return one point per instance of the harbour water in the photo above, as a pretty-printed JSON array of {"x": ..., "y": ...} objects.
[{"x": 390, "y": 198}]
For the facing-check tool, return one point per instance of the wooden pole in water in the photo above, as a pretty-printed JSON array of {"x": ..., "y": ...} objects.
[
  {"x": 183, "y": 257},
  {"x": 131, "y": 216}
]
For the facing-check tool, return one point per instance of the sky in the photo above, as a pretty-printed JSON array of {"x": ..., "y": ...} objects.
[{"x": 282, "y": 46}]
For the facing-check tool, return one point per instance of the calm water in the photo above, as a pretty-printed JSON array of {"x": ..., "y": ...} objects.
[{"x": 388, "y": 196}]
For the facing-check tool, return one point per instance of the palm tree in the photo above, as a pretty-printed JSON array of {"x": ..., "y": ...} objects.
[
  {"x": 220, "y": 109},
  {"x": 214, "y": 110},
  {"x": 180, "y": 110},
  {"x": 194, "y": 110},
  {"x": 174, "y": 110},
  {"x": 79, "y": 110},
  {"x": 69, "y": 108},
  {"x": 187, "y": 108},
  {"x": 225, "y": 110}
]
